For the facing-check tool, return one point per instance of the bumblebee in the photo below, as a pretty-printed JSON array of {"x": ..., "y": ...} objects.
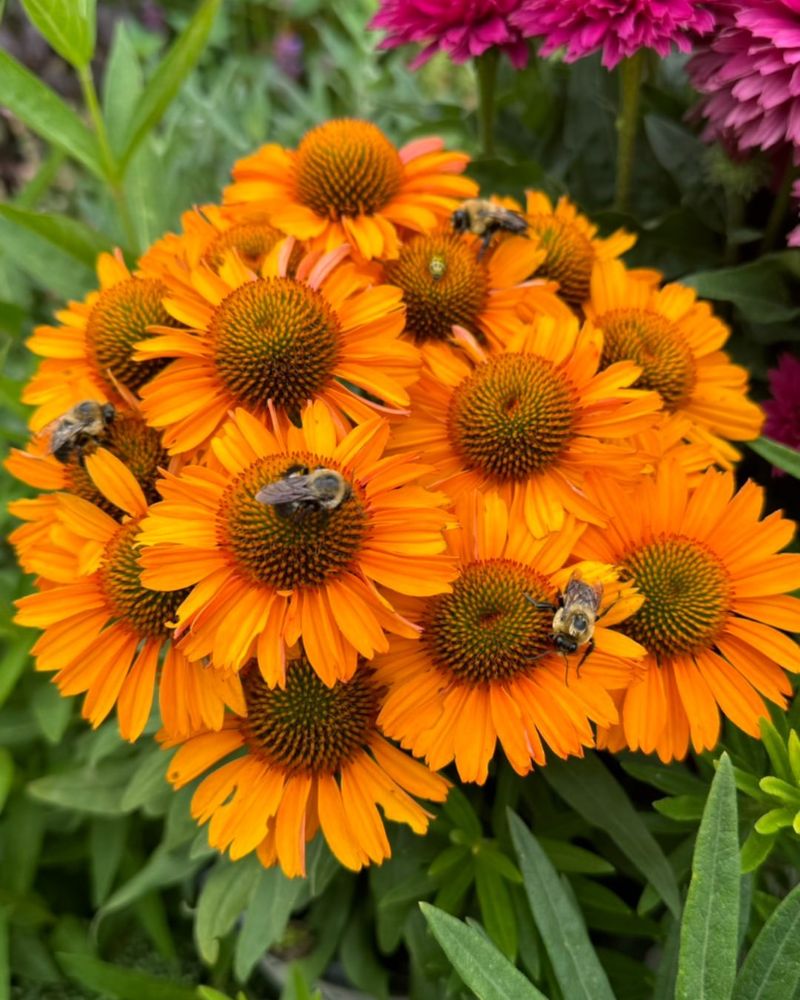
[
  {"x": 85, "y": 424},
  {"x": 437, "y": 266},
  {"x": 301, "y": 490},
  {"x": 575, "y": 616},
  {"x": 482, "y": 217}
]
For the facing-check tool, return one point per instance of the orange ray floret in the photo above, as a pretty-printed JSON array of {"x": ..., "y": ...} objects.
[
  {"x": 308, "y": 757},
  {"x": 446, "y": 283},
  {"x": 103, "y": 631},
  {"x": 486, "y": 668},
  {"x": 677, "y": 341},
  {"x": 261, "y": 577},
  {"x": 536, "y": 421},
  {"x": 347, "y": 183},
  {"x": 272, "y": 339},
  {"x": 90, "y": 354},
  {"x": 715, "y": 592}
]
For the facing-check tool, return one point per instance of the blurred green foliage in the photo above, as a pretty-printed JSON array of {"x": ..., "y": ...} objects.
[{"x": 106, "y": 886}]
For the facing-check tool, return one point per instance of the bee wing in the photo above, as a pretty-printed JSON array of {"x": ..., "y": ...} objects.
[
  {"x": 289, "y": 490},
  {"x": 55, "y": 434},
  {"x": 515, "y": 222}
]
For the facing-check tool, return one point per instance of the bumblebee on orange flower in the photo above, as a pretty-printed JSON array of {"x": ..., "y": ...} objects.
[
  {"x": 486, "y": 666},
  {"x": 260, "y": 580}
]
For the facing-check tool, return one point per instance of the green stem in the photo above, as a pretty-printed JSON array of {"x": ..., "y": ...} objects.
[
  {"x": 630, "y": 80},
  {"x": 486, "y": 68},
  {"x": 780, "y": 206},
  {"x": 110, "y": 165}
]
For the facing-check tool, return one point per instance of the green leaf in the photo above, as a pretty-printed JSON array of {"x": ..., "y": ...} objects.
[
  {"x": 97, "y": 790},
  {"x": 42, "y": 110},
  {"x": 357, "y": 953},
  {"x": 458, "y": 810},
  {"x": 6, "y": 775},
  {"x": 672, "y": 779},
  {"x": 771, "y": 970},
  {"x": 266, "y": 918},
  {"x": 167, "y": 79},
  {"x": 793, "y": 748},
  {"x": 225, "y": 894},
  {"x": 497, "y": 913},
  {"x": 596, "y": 795},
  {"x": 68, "y": 25},
  {"x": 709, "y": 930},
  {"x": 681, "y": 808},
  {"x": 774, "y": 821},
  {"x": 53, "y": 270},
  {"x": 779, "y": 455},
  {"x": 147, "y": 781},
  {"x": 106, "y": 843},
  {"x": 73, "y": 237},
  {"x": 776, "y": 748},
  {"x": 52, "y": 712},
  {"x": 483, "y": 969},
  {"x": 5, "y": 969},
  {"x": 576, "y": 966},
  {"x": 760, "y": 290},
  {"x": 122, "y": 87},
  {"x": 574, "y": 860},
  {"x": 781, "y": 790},
  {"x": 123, "y": 984},
  {"x": 755, "y": 850},
  {"x": 163, "y": 868}
]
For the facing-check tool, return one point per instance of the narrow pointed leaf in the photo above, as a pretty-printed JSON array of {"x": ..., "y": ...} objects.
[
  {"x": 170, "y": 74},
  {"x": 709, "y": 930},
  {"x": 483, "y": 969},
  {"x": 68, "y": 25},
  {"x": 577, "y": 968},
  {"x": 122, "y": 87},
  {"x": 595, "y": 794},
  {"x": 43, "y": 111},
  {"x": 772, "y": 968},
  {"x": 787, "y": 459},
  {"x": 69, "y": 235},
  {"x": 124, "y": 984}
]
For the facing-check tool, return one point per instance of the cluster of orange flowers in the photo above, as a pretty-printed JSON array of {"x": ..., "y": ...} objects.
[{"x": 499, "y": 423}]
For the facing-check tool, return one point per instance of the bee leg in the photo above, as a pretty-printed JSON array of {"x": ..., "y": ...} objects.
[
  {"x": 566, "y": 669},
  {"x": 586, "y": 653},
  {"x": 541, "y": 605},
  {"x": 487, "y": 239}
]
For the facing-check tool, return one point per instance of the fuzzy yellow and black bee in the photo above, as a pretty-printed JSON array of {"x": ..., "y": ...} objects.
[
  {"x": 85, "y": 424},
  {"x": 301, "y": 490},
  {"x": 574, "y": 616},
  {"x": 483, "y": 218}
]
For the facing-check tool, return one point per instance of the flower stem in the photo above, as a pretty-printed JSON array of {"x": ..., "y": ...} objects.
[
  {"x": 780, "y": 206},
  {"x": 486, "y": 69},
  {"x": 110, "y": 165},
  {"x": 630, "y": 80}
]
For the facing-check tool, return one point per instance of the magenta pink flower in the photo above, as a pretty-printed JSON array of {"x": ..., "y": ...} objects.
[
  {"x": 619, "y": 27},
  {"x": 750, "y": 74},
  {"x": 464, "y": 28},
  {"x": 783, "y": 410}
]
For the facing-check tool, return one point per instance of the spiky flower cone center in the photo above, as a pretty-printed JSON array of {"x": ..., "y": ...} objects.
[
  {"x": 288, "y": 549},
  {"x": 276, "y": 339},
  {"x": 443, "y": 284},
  {"x": 687, "y": 594},
  {"x": 119, "y": 319},
  {"x": 513, "y": 417},
  {"x": 146, "y": 611},
  {"x": 251, "y": 240},
  {"x": 569, "y": 256},
  {"x": 655, "y": 343},
  {"x": 306, "y": 726},
  {"x": 487, "y": 629},
  {"x": 346, "y": 168}
]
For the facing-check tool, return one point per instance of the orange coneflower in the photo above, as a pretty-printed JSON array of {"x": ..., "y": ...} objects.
[
  {"x": 262, "y": 579},
  {"x": 532, "y": 421},
  {"x": 445, "y": 283},
  {"x": 570, "y": 244},
  {"x": 255, "y": 341},
  {"x": 715, "y": 597},
  {"x": 104, "y": 631},
  {"x": 486, "y": 668},
  {"x": 308, "y": 757},
  {"x": 90, "y": 355},
  {"x": 347, "y": 183},
  {"x": 677, "y": 342}
]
